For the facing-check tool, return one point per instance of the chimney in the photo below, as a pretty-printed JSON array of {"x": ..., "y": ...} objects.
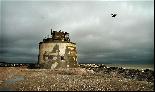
[{"x": 51, "y": 32}]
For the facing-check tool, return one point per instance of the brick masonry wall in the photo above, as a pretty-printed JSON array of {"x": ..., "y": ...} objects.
[{"x": 57, "y": 54}]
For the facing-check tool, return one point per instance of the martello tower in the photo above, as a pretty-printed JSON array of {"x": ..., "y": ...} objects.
[{"x": 57, "y": 51}]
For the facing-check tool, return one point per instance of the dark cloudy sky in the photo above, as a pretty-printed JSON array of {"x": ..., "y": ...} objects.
[{"x": 126, "y": 39}]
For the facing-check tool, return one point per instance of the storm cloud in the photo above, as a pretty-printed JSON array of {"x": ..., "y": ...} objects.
[{"x": 126, "y": 39}]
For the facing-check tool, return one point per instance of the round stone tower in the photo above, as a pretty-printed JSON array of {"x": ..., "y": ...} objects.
[{"x": 57, "y": 51}]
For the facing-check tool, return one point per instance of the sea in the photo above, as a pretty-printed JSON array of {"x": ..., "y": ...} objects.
[{"x": 133, "y": 66}]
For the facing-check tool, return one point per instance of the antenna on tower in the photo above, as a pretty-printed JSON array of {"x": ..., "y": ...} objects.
[{"x": 51, "y": 32}]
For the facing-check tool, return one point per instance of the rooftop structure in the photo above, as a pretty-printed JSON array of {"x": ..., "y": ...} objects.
[{"x": 57, "y": 36}]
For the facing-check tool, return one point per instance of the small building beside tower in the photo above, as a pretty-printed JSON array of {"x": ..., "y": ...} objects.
[{"x": 57, "y": 51}]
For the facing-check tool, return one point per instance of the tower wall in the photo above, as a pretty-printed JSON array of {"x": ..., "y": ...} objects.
[{"x": 57, "y": 54}]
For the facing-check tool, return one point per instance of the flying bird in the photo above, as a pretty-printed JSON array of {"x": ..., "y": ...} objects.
[{"x": 113, "y": 15}]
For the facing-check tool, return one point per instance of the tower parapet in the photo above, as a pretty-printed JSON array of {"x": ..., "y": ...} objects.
[{"x": 58, "y": 36}]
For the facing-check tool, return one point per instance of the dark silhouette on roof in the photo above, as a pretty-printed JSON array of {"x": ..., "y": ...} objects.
[{"x": 57, "y": 36}]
